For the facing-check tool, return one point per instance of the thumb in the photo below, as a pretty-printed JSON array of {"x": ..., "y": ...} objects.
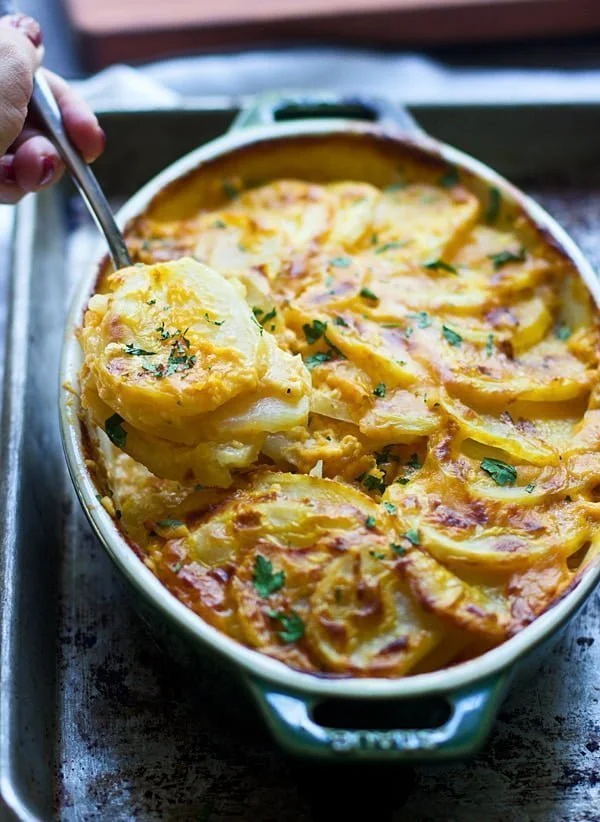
[{"x": 19, "y": 58}]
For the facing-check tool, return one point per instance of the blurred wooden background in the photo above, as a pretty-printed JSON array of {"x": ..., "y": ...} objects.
[{"x": 139, "y": 30}]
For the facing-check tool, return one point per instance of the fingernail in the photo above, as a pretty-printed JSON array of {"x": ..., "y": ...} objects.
[
  {"x": 27, "y": 26},
  {"x": 48, "y": 169},
  {"x": 7, "y": 171}
]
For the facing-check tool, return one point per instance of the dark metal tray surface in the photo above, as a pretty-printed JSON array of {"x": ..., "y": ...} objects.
[{"x": 96, "y": 721}]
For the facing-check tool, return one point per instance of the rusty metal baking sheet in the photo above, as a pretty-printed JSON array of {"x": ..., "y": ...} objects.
[{"x": 96, "y": 721}]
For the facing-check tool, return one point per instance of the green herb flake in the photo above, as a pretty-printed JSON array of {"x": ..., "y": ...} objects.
[
  {"x": 505, "y": 257},
  {"x": 265, "y": 580},
  {"x": 370, "y": 522},
  {"x": 501, "y": 472},
  {"x": 219, "y": 224},
  {"x": 440, "y": 265},
  {"x": 403, "y": 480},
  {"x": 319, "y": 358},
  {"x": 340, "y": 262},
  {"x": 494, "y": 205},
  {"x": 412, "y": 536},
  {"x": 115, "y": 431},
  {"x": 150, "y": 302},
  {"x": 292, "y": 625},
  {"x": 489, "y": 346},
  {"x": 314, "y": 331},
  {"x": 389, "y": 247},
  {"x": 390, "y": 507},
  {"x": 133, "y": 351},
  {"x": 177, "y": 567},
  {"x": 374, "y": 239},
  {"x": 170, "y": 523},
  {"x": 373, "y": 483},
  {"x": 380, "y": 389},
  {"x": 422, "y": 317},
  {"x": 213, "y": 322},
  {"x": 398, "y": 549},
  {"x": 414, "y": 462},
  {"x": 529, "y": 488},
  {"x": 376, "y": 555},
  {"x": 340, "y": 321},
  {"x": 368, "y": 294},
  {"x": 452, "y": 337},
  {"x": 451, "y": 178},
  {"x": 562, "y": 332}
]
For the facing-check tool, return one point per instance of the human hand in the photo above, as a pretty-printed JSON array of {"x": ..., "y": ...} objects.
[{"x": 28, "y": 160}]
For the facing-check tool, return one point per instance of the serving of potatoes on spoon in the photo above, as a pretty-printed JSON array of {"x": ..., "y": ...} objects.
[{"x": 181, "y": 376}]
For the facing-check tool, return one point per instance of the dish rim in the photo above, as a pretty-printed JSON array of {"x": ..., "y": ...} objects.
[{"x": 253, "y": 662}]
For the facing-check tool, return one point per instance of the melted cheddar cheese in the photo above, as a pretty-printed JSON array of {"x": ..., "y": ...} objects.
[{"x": 370, "y": 444}]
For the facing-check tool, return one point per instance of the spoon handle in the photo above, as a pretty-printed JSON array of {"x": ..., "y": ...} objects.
[{"x": 45, "y": 107}]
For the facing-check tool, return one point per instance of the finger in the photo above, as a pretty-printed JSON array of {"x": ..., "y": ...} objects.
[
  {"x": 10, "y": 192},
  {"x": 25, "y": 25},
  {"x": 36, "y": 162},
  {"x": 18, "y": 61},
  {"x": 80, "y": 121}
]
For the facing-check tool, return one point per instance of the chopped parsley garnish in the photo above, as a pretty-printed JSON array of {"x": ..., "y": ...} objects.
[
  {"x": 257, "y": 311},
  {"x": 157, "y": 371},
  {"x": 562, "y": 332},
  {"x": 115, "y": 431},
  {"x": 292, "y": 625},
  {"x": 213, "y": 322},
  {"x": 368, "y": 294},
  {"x": 164, "y": 334},
  {"x": 380, "y": 390},
  {"x": 390, "y": 507},
  {"x": 501, "y": 472},
  {"x": 397, "y": 548},
  {"x": 389, "y": 246},
  {"x": 505, "y": 257},
  {"x": 412, "y": 536},
  {"x": 450, "y": 178},
  {"x": 440, "y": 265},
  {"x": 230, "y": 190},
  {"x": 170, "y": 523},
  {"x": 268, "y": 317},
  {"x": 422, "y": 317},
  {"x": 340, "y": 321},
  {"x": 492, "y": 211},
  {"x": 489, "y": 346},
  {"x": 314, "y": 331},
  {"x": 340, "y": 262},
  {"x": 179, "y": 359},
  {"x": 376, "y": 555},
  {"x": 452, "y": 337},
  {"x": 403, "y": 480},
  {"x": 384, "y": 457},
  {"x": 177, "y": 567},
  {"x": 265, "y": 580},
  {"x": 414, "y": 462},
  {"x": 131, "y": 349},
  {"x": 373, "y": 483},
  {"x": 319, "y": 358},
  {"x": 529, "y": 488},
  {"x": 150, "y": 302},
  {"x": 370, "y": 522},
  {"x": 374, "y": 239},
  {"x": 219, "y": 224}
]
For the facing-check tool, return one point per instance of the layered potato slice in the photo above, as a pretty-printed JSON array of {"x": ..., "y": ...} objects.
[
  {"x": 365, "y": 440},
  {"x": 176, "y": 354}
]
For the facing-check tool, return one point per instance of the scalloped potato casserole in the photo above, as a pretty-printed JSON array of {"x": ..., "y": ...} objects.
[{"x": 355, "y": 427}]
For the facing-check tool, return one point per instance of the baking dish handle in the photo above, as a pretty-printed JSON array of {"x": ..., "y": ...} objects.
[
  {"x": 267, "y": 109},
  {"x": 290, "y": 717}
]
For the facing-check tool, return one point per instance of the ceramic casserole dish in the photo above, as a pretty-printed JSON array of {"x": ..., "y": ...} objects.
[{"x": 437, "y": 715}]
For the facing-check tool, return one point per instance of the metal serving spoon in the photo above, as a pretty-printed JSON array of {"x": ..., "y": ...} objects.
[{"x": 45, "y": 107}]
